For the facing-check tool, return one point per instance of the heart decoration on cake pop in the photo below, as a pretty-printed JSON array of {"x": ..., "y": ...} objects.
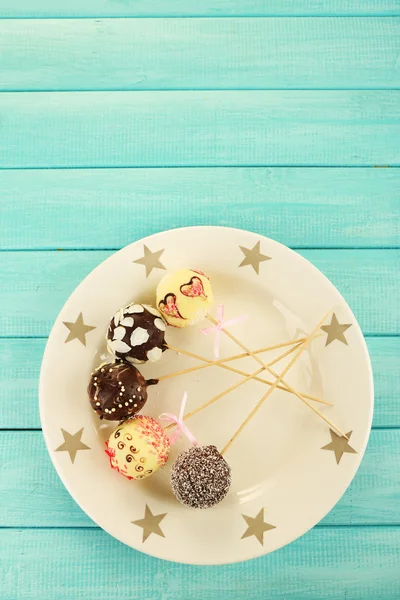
[
  {"x": 193, "y": 289},
  {"x": 168, "y": 307},
  {"x": 189, "y": 295}
]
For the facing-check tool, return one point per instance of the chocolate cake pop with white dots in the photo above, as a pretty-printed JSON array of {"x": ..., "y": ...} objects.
[
  {"x": 137, "y": 334},
  {"x": 117, "y": 390}
]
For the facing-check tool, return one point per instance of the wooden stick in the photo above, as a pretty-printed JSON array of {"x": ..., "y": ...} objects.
[
  {"x": 209, "y": 402},
  {"x": 271, "y": 389},
  {"x": 279, "y": 387},
  {"x": 206, "y": 363},
  {"x": 234, "y": 386},
  {"x": 257, "y": 358},
  {"x": 280, "y": 379},
  {"x": 268, "y": 348},
  {"x": 248, "y": 418},
  {"x": 221, "y": 363}
]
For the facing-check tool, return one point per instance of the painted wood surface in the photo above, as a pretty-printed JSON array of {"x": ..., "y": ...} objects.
[
  {"x": 20, "y": 361},
  {"x": 209, "y": 128},
  {"x": 272, "y": 53},
  {"x": 36, "y": 285},
  {"x": 327, "y": 207},
  {"x": 190, "y": 8},
  {"x": 332, "y": 563},
  {"x": 39, "y": 499},
  {"x": 278, "y": 162}
]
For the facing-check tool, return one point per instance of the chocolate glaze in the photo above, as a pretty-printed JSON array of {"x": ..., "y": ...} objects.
[
  {"x": 117, "y": 390},
  {"x": 144, "y": 320}
]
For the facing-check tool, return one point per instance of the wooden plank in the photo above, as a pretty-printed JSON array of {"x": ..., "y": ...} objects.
[
  {"x": 35, "y": 285},
  {"x": 20, "y": 361},
  {"x": 38, "y": 498},
  {"x": 385, "y": 355},
  {"x": 373, "y": 273},
  {"x": 29, "y": 480},
  {"x": 339, "y": 564},
  {"x": 274, "y": 53},
  {"x": 207, "y": 8},
  {"x": 373, "y": 497},
  {"x": 220, "y": 128},
  {"x": 327, "y": 207}
]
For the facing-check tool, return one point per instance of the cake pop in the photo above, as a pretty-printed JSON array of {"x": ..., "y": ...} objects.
[
  {"x": 117, "y": 390},
  {"x": 184, "y": 297},
  {"x": 200, "y": 477},
  {"x": 138, "y": 447},
  {"x": 136, "y": 333}
]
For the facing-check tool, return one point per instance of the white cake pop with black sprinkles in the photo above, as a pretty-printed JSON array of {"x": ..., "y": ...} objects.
[
  {"x": 200, "y": 477},
  {"x": 137, "y": 334}
]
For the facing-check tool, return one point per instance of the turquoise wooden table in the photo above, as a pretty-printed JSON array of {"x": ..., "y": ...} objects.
[{"x": 120, "y": 118}]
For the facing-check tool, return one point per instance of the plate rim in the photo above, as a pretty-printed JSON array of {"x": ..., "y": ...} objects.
[{"x": 252, "y": 554}]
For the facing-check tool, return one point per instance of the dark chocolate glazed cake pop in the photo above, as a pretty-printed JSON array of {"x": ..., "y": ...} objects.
[
  {"x": 200, "y": 477},
  {"x": 136, "y": 333},
  {"x": 117, "y": 390}
]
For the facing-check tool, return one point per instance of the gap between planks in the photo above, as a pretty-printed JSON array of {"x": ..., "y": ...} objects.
[
  {"x": 36, "y": 429},
  {"x": 193, "y": 166},
  {"x": 117, "y": 248},
  {"x": 99, "y": 17},
  {"x": 45, "y": 337},
  {"x": 96, "y": 528}
]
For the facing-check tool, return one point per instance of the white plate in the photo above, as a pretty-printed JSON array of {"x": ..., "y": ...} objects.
[{"x": 281, "y": 474}]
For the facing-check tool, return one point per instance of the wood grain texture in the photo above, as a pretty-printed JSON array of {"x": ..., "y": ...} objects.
[
  {"x": 344, "y": 563},
  {"x": 217, "y": 128},
  {"x": 327, "y": 207},
  {"x": 207, "y": 8},
  {"x": 78, "y": 207},
  {"x": 37, "y": 284},
  {"x": 274, "y": 53},
  {"x": 20, "y": 361},
  {"x": 39, "y": 499}
]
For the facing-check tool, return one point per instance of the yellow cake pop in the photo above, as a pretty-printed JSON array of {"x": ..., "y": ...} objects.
[
  {"x": 184, "y": 297},
  {"x": 138, "y": 447}
]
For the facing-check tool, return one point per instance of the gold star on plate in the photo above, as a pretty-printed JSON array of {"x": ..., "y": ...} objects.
[
  {"x": 150, "y": 524},
  {"x": 256, "y": 526},
  {"x": 339, "y": 445},
  {"x": 77, "y": 330},
  {"x": 335, "y": 331},
  {"x": 72, "y": 443},
  {"x": 253, "y": 257},
  {"x": 150, "y": 260}
]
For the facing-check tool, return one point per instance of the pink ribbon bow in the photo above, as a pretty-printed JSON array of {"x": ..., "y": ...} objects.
[
  {"x": 220, "y": 326},
  {"x": 180, "y": 425}
]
